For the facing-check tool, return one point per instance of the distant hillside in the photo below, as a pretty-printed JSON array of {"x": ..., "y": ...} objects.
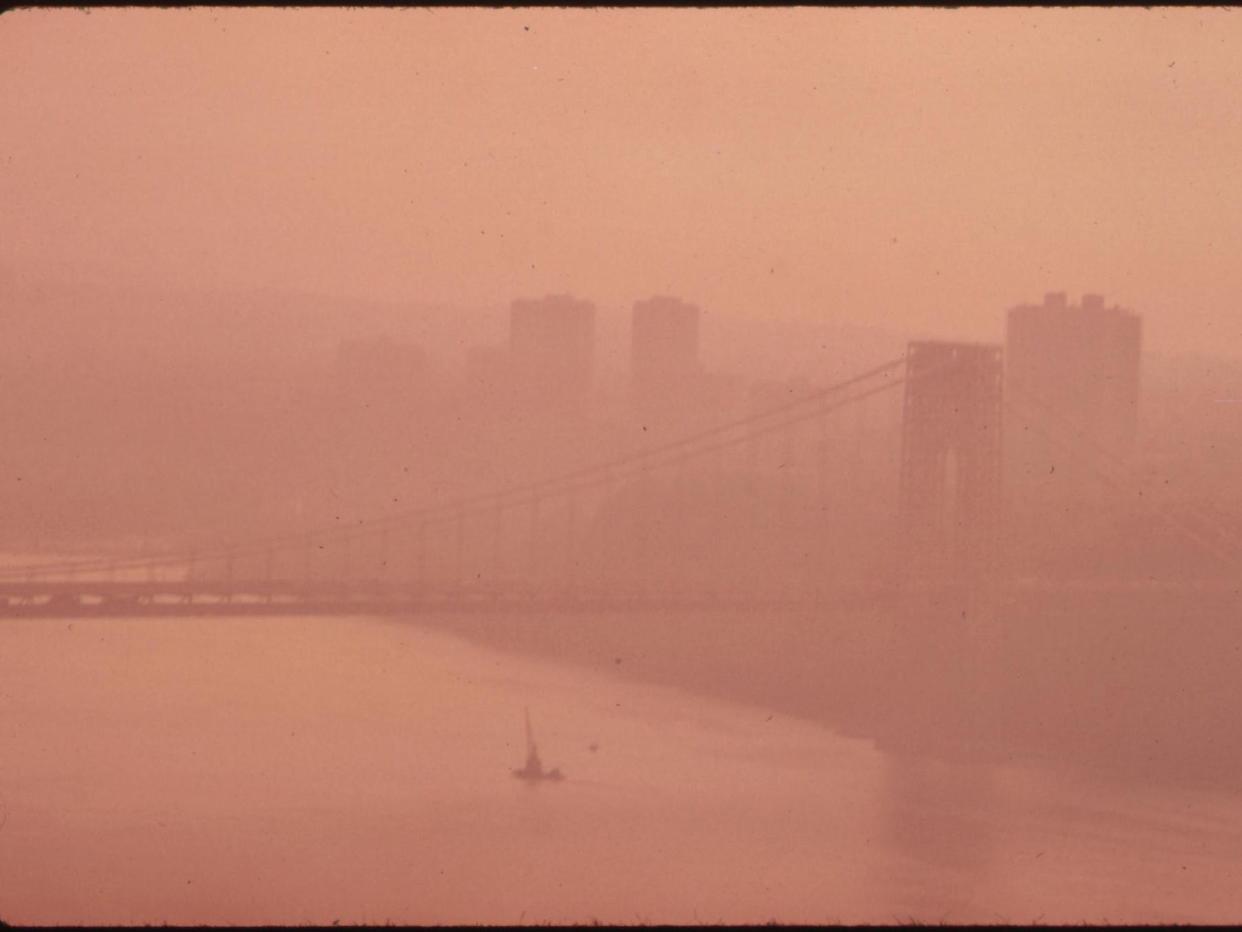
[{"x": 43, "y": 319}]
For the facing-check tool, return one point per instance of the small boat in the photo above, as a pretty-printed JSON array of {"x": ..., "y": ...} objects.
[{"x": 533, "y": 771}]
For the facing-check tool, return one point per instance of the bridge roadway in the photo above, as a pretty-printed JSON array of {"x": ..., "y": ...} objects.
[
  {"x": 102, "y": 599},
  {"x": 120, "y": 598}
]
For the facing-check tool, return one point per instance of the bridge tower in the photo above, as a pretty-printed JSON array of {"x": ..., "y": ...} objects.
[{"x": 951, "y": 459}]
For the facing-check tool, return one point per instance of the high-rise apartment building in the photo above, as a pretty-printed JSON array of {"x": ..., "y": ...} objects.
[{"x": 1072, "y": 385}]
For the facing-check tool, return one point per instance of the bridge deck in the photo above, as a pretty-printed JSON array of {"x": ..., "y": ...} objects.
[{"x": 119, "y": 598}]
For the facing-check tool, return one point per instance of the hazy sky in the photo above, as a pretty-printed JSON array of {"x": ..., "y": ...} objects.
[{"x": 920, "y": 169}]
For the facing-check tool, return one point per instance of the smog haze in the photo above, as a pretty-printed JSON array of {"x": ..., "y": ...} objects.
[{"x": 482, "y": 466}]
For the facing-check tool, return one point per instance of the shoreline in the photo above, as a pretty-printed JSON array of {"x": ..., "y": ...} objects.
[{"x": 1027, "y": 681}]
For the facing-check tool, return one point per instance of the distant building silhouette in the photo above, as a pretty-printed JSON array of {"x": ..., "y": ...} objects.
[
  {"x": 664, "y": 348},
  {"x": 552, "y": 347},
  {"x": 1072, "y": 381}
]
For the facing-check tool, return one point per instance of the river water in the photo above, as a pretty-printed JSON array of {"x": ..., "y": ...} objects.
[{"x": 291, "y": 770}]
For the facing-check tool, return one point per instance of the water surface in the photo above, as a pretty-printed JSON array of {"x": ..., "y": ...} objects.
[{"x": 292, "y": 770}]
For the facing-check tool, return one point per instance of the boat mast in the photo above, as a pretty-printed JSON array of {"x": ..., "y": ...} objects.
[{"x": 530, "y": 736}]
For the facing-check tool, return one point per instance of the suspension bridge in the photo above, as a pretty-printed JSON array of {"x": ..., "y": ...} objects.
[{"x": 582, "y": 539}]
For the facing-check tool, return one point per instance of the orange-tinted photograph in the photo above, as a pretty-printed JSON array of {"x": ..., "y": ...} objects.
[{"x": 473, "y": 466}]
